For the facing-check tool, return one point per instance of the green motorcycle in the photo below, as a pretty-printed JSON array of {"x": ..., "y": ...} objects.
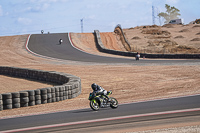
[{"x": 97, "y": 100}]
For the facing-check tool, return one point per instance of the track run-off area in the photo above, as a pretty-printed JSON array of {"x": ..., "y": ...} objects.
[{"x": 131, "y": 115}]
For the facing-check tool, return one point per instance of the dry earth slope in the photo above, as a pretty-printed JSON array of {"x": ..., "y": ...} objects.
[{"x": 169, "y": 38}]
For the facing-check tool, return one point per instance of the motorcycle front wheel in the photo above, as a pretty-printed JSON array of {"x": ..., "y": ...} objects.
[
  {"x": 94, "y": 105},
  {"x": 113, "y": 103}
]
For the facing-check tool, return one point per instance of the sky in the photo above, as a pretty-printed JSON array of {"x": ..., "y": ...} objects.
[{"x": 18, "y": 17}]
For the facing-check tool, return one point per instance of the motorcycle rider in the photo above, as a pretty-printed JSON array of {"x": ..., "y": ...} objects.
[
  {"x": 60, "y": 41},
  {"x": 137, "y": 56},
  {"x": 98, "y": 90}
]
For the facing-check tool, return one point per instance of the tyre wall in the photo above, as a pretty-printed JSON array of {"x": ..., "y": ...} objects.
[
  {"x": 68, "y": 87},
  {"x": 101, "y": 48}
]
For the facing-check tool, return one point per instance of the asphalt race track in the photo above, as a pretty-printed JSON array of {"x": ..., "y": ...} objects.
[
  {"x": 84, "y": 119},
  {"x": 48, "y": 45},
  {"x": 134, "y": 112}
]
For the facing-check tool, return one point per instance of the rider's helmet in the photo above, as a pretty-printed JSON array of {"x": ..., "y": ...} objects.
[{"x": 94, "y": 86}]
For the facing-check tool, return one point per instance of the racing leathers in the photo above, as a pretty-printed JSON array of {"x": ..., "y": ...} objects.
[{"x": 100, "y": 91}]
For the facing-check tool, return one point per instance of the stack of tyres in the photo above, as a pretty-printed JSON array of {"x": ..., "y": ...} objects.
[
  {"x": 69, "y": 92},
  {"x": 31, "y": 97},
  {"x": 1, "y": 103},
  {"x": 7, "y": 100},
  {"x": 57, "y": 94},
  {"x": 65, "y": 94},
  {"x": 15, "y": 100},
  {"x": 37, "y": 97},
  {"x": 24, "y": 99},
  {"x": 74, "y": 90},
  {"x": 49, "y": 96},
  {"x": 66, "y": 91},
  {"x": 61, "y": 89},
  {"x": 53, "y": 94},
  {"x": 43, "y": 95}
]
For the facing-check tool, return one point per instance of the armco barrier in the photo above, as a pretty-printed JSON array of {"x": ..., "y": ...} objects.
[
  {"x": 101, "y": 48},
  {"x": 68, "y": 87}
]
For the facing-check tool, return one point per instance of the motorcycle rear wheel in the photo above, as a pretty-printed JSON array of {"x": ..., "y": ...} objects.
[
  {"x": 113, "y": 103},
  {"x": 94, "y": 105}
]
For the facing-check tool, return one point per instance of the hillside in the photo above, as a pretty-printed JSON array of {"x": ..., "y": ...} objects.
[
  {"x": 167, "y": 39},
  {"x": 170, "y": 38}
]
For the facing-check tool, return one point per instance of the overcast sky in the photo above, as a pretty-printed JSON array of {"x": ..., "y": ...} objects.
[{"x": 31, "y": 16}]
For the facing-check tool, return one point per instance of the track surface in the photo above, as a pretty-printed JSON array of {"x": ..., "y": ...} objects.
[
  {"x": 123, "y": 110},
  {"x": 47, "y": 45}
]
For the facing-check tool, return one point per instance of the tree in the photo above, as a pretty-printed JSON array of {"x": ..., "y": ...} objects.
[{"x": 171, "y": 13}]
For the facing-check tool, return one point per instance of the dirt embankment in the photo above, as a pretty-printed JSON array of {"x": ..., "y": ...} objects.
[
  {"x": 165, "y": 39},
  {"x": 112, "y": 41},
  {"x": 88, "y": 39},
  {"x": 168, "y": 38},
  {"x": 86, "y": 42}
]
